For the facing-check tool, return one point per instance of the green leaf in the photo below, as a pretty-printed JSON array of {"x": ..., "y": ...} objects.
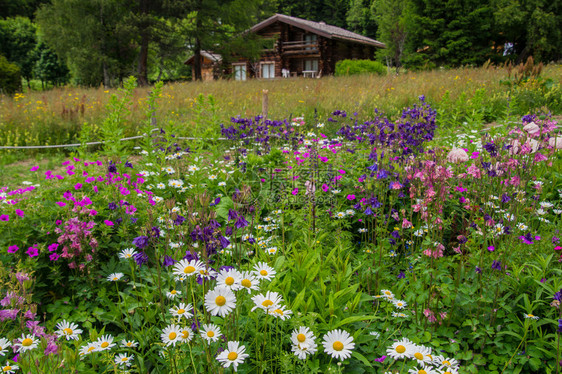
[{"x": 361, "y": 358}]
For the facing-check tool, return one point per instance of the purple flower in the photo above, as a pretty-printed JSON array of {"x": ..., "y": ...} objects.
[
  {"x": 190, "y": 256},
  {"x": 380, "y": 359},
  {"x": 13, "y": 249},
  {"x": 478, "y": 270},
  {"x": 141, "y": 257},
  {"x": 240, "y": 222},
  {"x": 555, "y": 240},
  {"x": 112, "y": 168},
  {"x": 232, "y": 214},
  {"x": 496, "y": 265},
  {"x": 560, "y": 326},
  {"x": 32, "y": 252},
  {"x": 401, "y": 275},
  {"x": 20, "y": 212},
  {"x": 128, "y": 165},
  {"x": 140, "y": 242},
  {"x": 8, "y": 314},
  {"x": 558, "y": 295},
  {"x": 527, "y": 238},
  {"x": 112, "y": 206},
  {"x": 168, "y": 261}
]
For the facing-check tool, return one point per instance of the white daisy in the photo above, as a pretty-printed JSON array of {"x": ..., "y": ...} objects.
[
  {"x": 171, "y": 335},
  {"x": 88, "y": 348},
  {"x": 9, "y": 369},
  {"x": 303, "y": 342},
  {"x": 280, "y": 312},
  {"x": 234, "y": 355},
  {"x": 271, "y": 250},
  {"x": 400, "y": 349},
  {"x": 127, "y": 253},
  {"x": 338, "y": 344},
  {"x": 114, "y": 277},
  {"x": 421, "y": 354},
  {"x": 531, "y": 316},
  {"x": 449, "y": 363},
  {"x": 210, "y": 332},
  {"x": 400, "y": 304},
  {"x": 173, "y": 294},
  {"x": 388, "y": 294},
  {"x": 220, "y": 301},
  {"x": 270, "y": 300},
  {"x": 26, "y": 343},
  {"x": 105, "y": 342},
  {"x": 188, "y": 268},
  {"x": 4, "y": 345},
  {"x": 68, "y": 330},
  {"x": 248, "y": 281},
  {"x": 207, "y": 273},
  {"x": 129, "y": 343},
  {"x": 182, "y": 310},
  {"x": 399, "y": 315},
  {"x": 422, "y": 370},
  {"x": 186, "y": 334},
  {"x": 229, "y": 278},
  {"x": 264, "y": 271},
  {"x": 124, "y": 359}
]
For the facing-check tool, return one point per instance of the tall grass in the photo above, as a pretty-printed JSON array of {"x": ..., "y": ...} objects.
[{"x": 56, "y": 116}]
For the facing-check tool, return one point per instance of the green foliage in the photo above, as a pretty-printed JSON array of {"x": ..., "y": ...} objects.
[
  {"x": 353, "y": 67},
  {"x": 17, "y": 43},
  {"x": 10, "y": 76}
]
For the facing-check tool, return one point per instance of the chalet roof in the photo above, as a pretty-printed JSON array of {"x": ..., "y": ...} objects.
[
  {"x": 320, "y": 28},
  {"x": 214, "y": 57}
]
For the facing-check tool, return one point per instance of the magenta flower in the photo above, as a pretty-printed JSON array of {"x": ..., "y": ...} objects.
[
  {"x": 295, "y": 191},
  {"x": 78, "y": 186},
  {"x": 108, "y": 223},
  {"x": 93, "y": 212},
  {"x": 350, "y": 197},
  {"x": 53, "y": 247},
  {"x": 13, "y": 249},
  {"x": 341, "y": 171},
  {"x": 4, "y": 217},
  {"x": 54, "y": 256},
  {"x": 491, "y": 248},
  {"x": 32, "y": 252},
  {"x": 61, "y": 203},
  {"x": 34, "y": 168},
  {"x": 20, "y": 212}
]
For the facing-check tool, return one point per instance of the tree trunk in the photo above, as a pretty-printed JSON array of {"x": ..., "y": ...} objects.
[
  {"x": 143, "y": 60},
  {"x": 144, "y": 30},
  {"x": 196, "y": 72},
  {"x": 106, "y": 78}
]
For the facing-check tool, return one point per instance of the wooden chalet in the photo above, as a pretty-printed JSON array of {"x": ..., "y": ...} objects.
[
  {"x": 303, "y": 48},
  {"x": 210, "y": 65}
]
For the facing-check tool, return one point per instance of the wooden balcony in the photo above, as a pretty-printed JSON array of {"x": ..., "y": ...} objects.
[{"x": 300, "y": 48}]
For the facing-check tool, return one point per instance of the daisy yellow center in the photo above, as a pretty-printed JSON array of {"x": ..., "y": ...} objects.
[
  {"x": 232, "y": 356},
  {"x": 445, "y": 362},
  {"x": 338, "y": 346},
  {"x": 68, "y": 331},
  {"x": 220, "y": 300},
  {"x": 26, "y": 342},
  {"x": 104, "y": 345},
  {"x": 115, "y": 278},
  {"x": 246, "y": 283},
  {"x": 387, "y": 293},
  {"x": 91, "y": 349},
  {"x": 173, "y": 292},
  {"x": 181, "y": 311},
  {"x": 267, "y": 303},
  {"x": 185, "y": 334},
  {"x": 172, "y": 336},
  {"x": 124, "y": 359},
  {"x": 530, "y": 315},
  {"x": 422, "y": 371},
  {"x": 278, "y": 311},
  {"x": 7, "y": 368},
  {"x": 129, "y": 344},
  {"x": 189, "y": 269},
  {"x": 418, "y": 355},
  {"x": 301, "y": 338},
  {"x": 447, "y": 372},
  {"x": 128, "y": 255},
  {"x": 263, "y": 273},
  {"x": 400, "y": 349},
  {"x": 210, "y": 334},
  {"x": 229, "y": 281}
]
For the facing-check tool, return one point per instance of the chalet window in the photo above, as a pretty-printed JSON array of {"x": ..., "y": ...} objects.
[
  {"x": 239, "y": 72},
  {"x": 310, "y": 39},
  {"x": 310, "y": 65},
  {"x": 268, "y": 70}
]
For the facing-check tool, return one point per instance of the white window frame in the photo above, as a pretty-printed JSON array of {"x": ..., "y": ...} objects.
[
  {"x": 314, "y": 65},
  {"x": 269, "y": 63},
  {"x": 238, "y": 73}
]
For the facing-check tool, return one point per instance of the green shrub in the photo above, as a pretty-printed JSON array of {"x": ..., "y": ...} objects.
[
  {"x": 352, "y": 67},
  {"x": 10, "y": 76}
]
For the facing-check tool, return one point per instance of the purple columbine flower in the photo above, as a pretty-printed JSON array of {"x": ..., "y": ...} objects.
[
  {"x": 560, "y": 326},
  {"x": 128, "y": 165},
  {"x": 527, "y": 238},
  {"x": 140, "y": 242},
  {"x": 112, "y": 206},
  {"x": 168, "y": 261},
  {"x": 190, "y": 256},
  {"x": 558, "y": 295},
  {"x": 401, "y": 275},
  {"x": 140, "y": 258},
  {"x": 112, "y": 168},
  {"x": 240, "y": 222},
  {"x": 232, "y": 214},
  {"x": 496, "y": 265},
  {"x": 555, "y": 240},
  {"x": 478, "y": 270}
]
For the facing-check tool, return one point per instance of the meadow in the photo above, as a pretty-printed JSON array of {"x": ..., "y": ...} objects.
[{"x": 380, "y": 226}]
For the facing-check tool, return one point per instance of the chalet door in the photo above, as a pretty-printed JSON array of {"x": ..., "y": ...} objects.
[
  {"x": 268, "y": 70},
  {"x": 240, "y": 72}
]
